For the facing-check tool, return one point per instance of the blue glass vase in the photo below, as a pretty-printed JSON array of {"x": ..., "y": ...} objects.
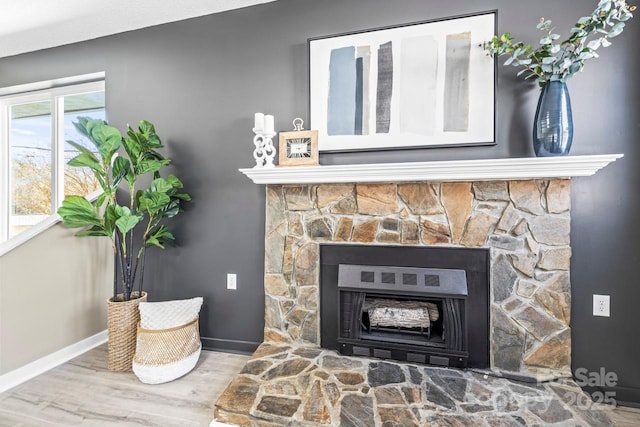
[{"x": 553, "y": 124}]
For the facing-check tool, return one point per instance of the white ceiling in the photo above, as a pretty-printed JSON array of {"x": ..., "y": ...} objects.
[{"x": 28, "y": 25}]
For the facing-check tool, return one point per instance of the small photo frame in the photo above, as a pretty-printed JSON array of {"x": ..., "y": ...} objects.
[{"x": 299, "y": 148}]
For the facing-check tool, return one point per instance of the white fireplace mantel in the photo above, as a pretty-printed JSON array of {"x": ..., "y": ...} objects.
[{"x": 439, "y": 171}]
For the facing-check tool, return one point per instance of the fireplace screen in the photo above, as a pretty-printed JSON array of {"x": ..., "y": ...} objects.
[{"x": 413, "y": 312}]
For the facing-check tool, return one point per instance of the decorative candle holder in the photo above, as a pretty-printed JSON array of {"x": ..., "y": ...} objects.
[{"x": 265, "y": 151}]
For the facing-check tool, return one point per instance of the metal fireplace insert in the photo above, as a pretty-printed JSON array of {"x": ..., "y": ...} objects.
[{"x": 434, "y": 313}]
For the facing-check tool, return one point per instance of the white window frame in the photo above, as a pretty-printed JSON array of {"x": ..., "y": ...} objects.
[{"x": 56, "y": 96}]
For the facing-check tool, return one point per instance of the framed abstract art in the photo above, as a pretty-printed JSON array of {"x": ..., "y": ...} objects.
[{"x": 426, "y": 84}]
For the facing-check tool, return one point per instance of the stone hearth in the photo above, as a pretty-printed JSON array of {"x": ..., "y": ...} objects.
[
  {"x": 306, "y": 386},
  {"x": 525, "y": 223}
]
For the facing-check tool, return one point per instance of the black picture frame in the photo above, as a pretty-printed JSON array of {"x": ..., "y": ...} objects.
[{"x": 408, "y": 127}]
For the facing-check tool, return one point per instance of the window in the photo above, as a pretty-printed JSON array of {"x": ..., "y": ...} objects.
[{"x": 34, "y": 128}]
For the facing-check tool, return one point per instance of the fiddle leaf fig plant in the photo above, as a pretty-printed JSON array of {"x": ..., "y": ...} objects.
[
  {"x": 555, "y": 60},
  {"x": 129, "y": 161}
]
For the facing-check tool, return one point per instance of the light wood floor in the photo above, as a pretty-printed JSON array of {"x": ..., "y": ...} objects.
[
  {"x": 83, "y": 392},
  {"x": 627, "y": 417}
]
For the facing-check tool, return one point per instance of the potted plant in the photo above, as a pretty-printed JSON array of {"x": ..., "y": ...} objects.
[
  {"x": 553, "y": 62},
  {"x": 133, "y": 225}
]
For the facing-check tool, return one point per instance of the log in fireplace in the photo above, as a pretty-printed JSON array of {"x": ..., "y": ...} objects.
[{"x": 416, "y": 304}]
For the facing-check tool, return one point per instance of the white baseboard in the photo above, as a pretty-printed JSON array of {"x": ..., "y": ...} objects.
[
  {"x": 37, "y": 367},
  {"x": 215, "y": 423}
]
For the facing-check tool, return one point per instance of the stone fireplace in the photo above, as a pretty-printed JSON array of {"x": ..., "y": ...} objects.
[
  {"x": 326, "y": 226},
  {"x": 525, "y": 225}
]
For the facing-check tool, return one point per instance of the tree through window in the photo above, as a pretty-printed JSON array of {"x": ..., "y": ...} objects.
[{"x": 36, "y": 127}]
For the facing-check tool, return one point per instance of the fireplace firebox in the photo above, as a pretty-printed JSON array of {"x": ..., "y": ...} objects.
[{"x": 416, "y": 304}]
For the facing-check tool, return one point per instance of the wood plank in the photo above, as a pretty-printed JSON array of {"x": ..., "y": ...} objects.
[
  {"x": 84, "y": 392},
  {"x": 626, "y": 417}
]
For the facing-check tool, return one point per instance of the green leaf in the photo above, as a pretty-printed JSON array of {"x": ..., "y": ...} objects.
[
  {"x": 585, "y": 55},
  {"x": 76, "y": 212},
  {"x": 594, "y": 44},
  {"x": 121, "y": 167},
  {"x": 182, "y": 196},
  {"x": 127, "y": 223},
  {"x": 509, "y": 60},
  {"x": 616, "y": 30},
  {"x": 132, "y": 146},
  {"x": 159, "y": 237},
  {"x": 604, "y": 5},
  {"x": 87, "y": 160},
  {"x": 154, "y": 141},
  {"x": 75, "y": 205},
  {"x": 575, "y": 67},
  {"x": 80, "y": 221},
  {"x": 107, "y": 139},
  {"x": 170, "y": 210},
  {"x": 146, "y": 127},
  {"x": 161, "y": 185},
  {"x": 84, "y": 125},
  {"x": 146, "y": 166},
  {"x": 100, "y": 199},
  {"x": 94, "y": 231},
  {"x": 81, "y": 148},
  {"x": 548, "y": 60},
  {"x": 127, "y": 220},
  {"x": 625, "y": 17},
  {"x": 110, "y": 218},
  {"x": 153, "y": 202},
  {"x": 174, "y": 181},
  {"x": 130, "y": 177}
]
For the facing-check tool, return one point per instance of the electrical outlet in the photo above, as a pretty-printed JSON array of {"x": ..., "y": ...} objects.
[
  {"x": 232, "y": 281},
  {"x": 601, "y": 305}
]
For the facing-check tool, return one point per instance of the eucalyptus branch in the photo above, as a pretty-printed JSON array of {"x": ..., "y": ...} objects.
[{"x": 553, "y": 61}]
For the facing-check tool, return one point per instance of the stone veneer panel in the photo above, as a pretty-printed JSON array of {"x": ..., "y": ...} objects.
[{"x": 525, "y": 223}]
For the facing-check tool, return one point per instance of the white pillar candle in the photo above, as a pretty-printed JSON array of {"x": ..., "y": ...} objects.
[
  {"x": 258, "y": 122},
  {"x": 268, "y": 124}
]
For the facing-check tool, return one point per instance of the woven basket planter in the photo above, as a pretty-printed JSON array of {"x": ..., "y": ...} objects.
[{"x": 122, "y": 323}]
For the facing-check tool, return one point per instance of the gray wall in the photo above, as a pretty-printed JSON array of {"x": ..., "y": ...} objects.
[{"x": 201, "y": 80}]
